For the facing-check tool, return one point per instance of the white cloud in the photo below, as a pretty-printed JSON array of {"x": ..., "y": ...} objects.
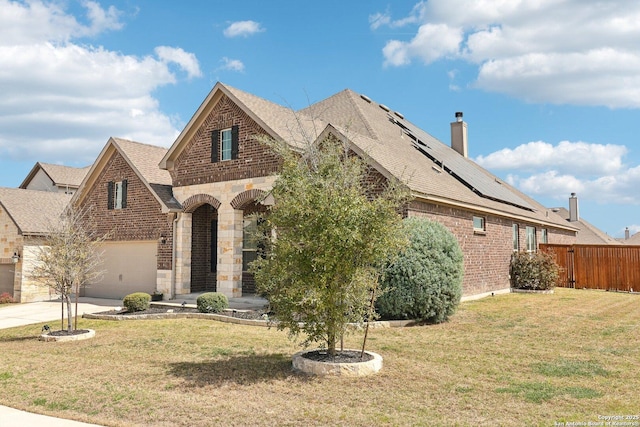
[
  {"x": 530, "y": 49},
  {"x": 594, "y": 171},
  {"x": 185, "y": 60},
  {"x": 61, "y": 100},
  {"x": 232, "y": 64},
  {"x": 243, "y": 29}
]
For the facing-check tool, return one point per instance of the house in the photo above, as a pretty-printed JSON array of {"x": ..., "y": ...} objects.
[
  {"x": 587, "y": 234},
  {"x": 220, "y": 172},
  {"x": 25, "y": 217},
  {"x": 127, "y": 197},
  {"x": 630, "y": 239},
  {"x": 58, "y": 178}
]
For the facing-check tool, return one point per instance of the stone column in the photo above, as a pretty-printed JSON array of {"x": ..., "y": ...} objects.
[
  {"x": 229, "y": 251},
  {"x": 183, "y": 254}
]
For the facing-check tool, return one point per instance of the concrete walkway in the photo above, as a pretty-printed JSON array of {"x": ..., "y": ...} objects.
[{"x": 50, "y": 311}]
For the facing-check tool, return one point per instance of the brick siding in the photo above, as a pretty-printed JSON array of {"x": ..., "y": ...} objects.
[
  {"x": 486, "y": 255},
  {"x": 193, "y": 166},
  {"x": 142, "y": 219}
]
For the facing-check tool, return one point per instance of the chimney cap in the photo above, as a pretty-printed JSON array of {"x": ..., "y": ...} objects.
[
  {"x": 573, "y": 194},
  {"x": 459, "y": 116}
]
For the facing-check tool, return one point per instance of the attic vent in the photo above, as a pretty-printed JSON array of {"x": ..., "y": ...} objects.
[
  {"x": 399, "y": 114},
  {"x": 384, "y": 107},
  {"x": 366, "y": 98}
]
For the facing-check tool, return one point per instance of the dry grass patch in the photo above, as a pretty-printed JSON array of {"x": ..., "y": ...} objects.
[{"x": 516, "y": 359}]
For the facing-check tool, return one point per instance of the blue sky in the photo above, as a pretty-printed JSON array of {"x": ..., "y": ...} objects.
[{"x": 550, "y": 89}]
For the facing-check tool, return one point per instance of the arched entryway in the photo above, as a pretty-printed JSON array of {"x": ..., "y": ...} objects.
[{"x": 204, "y": 242}]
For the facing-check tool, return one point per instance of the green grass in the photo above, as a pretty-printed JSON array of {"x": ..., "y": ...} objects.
[{"x": 515, "y": 359}]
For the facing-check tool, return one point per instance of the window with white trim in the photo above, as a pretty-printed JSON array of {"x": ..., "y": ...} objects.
[
  {"x": 531, "y": 239},
  {"x": 225, "y": 146},
  {"x": 479, "y": 224},
  {"x": 117, "y": 194},
  {"x": 544, "y": 236},
  {"x": 516, "y": 238}
]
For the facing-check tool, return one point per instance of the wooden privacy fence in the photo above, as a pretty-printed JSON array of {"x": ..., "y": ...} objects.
[{"x": 606, "y": 267}]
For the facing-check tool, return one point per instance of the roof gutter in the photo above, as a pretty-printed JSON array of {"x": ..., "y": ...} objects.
[{"x": 467, "y": 206}]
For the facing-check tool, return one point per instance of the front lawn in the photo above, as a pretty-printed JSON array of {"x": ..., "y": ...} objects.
[{"x": 517, "y": 359}]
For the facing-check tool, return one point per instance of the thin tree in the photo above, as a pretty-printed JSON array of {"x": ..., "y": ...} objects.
[
  {"x": 334, "y": 230},
  {"x": 68, "y": 258}
]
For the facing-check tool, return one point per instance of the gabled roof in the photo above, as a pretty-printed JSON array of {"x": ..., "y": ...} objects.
[
  {"x": 61, "y": 176},
  {"x": 143, "y": 160},
  {"x": 34, "y": 212},
  {"x": 396, "y": 147},
  {"x": 588, "y": 234},
  {"x": 633, "y": 240}
]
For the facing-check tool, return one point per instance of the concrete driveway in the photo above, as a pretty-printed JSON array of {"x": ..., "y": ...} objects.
[{"x": 14, "y": 315}]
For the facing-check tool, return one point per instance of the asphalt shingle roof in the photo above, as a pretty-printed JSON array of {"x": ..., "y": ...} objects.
[
  {"x": 588, "y": 234},
  {"x": 34, "y": 212}
]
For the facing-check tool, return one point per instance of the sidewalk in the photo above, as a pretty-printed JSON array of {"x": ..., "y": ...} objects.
[{"x": 10, "y": 417}]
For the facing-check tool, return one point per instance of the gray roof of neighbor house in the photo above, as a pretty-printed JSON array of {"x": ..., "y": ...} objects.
[
  {"x": 143, "y": 160},
  {"x": 61, "y": 176},
  {"x": 396, "y": 147},
  {"x": 34, "y": 212},
  {"x": 633, "y": 240},
  {"x": 588, "y": 234}
]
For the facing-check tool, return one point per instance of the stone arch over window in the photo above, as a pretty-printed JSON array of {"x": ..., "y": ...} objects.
[
  {"x": 247, "y": 197},
  {"x": 194, "y": 202}
]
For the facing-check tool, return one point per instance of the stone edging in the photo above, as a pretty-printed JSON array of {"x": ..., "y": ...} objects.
[
  {"x": 63, "y": 338},
  {"x": 227, "y": 319},
  {"x": 321, "y": 368}
]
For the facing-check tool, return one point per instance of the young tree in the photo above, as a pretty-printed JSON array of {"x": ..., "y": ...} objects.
[
  {"x": 68, "y": 258},
  {"x": 334, "y": 229}
]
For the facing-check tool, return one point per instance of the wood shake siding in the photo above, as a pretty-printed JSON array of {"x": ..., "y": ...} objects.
[
  {"x": 193, "y": 166},
  {"x": 142, "y": 219}
]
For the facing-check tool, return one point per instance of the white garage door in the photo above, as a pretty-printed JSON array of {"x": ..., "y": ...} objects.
[
  {"x": 128, "y": 267},
  {"x": 6, "y": 278}
]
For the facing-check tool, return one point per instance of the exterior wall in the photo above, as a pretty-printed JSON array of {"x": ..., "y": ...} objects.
[
  {"x": 42, "y": 182},
  {"x": 31, "y": 291},
  {"x": 229, "y": 251},
  {"x": 142, "y": 219},
  {"x": 193, "y": 166},
  {"x": 486, "y": 255},
  {"x": 10, "y": 242}
]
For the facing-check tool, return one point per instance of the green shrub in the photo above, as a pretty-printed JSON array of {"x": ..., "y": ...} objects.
[
  {"x": 537, "y": 271},
  {"x": 212, "y": 302},
  {"x": 5, "y": 298},
  {"x": 425, "y": 281},
  {"x": 137, "y": 301}
]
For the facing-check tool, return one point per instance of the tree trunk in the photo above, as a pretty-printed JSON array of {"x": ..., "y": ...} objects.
[
  {"x": 331, "y": 342},
  {"x": 69, "y": 324}
]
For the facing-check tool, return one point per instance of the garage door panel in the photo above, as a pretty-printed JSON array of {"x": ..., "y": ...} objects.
[{"x": 128, "y": 267}]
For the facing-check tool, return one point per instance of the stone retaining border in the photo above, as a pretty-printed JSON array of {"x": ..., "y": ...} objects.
[{"x": 64, "y": 338}]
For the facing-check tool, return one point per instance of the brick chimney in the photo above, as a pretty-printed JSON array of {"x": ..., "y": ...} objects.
[
  {"x": 459, "y": 135},
  {"x": 574, "y": 215}
]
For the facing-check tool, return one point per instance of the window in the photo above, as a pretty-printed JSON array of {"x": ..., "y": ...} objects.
[
  {"x": 478, "y": 224},
  {"x": 117, "y": 194},
  {"x": 531, "y": 239},
  {"x": 224, "y": 144},
  {"x": 249, "y": 242},
  {"x": 544, "y": 236},
  {"x": 516, "y": 238}
]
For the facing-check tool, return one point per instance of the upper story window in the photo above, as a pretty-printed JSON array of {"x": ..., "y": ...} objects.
[
  {"x": 224, "y": 144},
  {"x": 117, "y": 194},
  {"x": 531, "y": 239},
  {"x": 479, "y": 224},
  {"x": 516, "y": 238}
]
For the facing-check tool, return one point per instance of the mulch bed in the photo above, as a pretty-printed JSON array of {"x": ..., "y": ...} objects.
[
  {"x": 346, "y": 356},
  {"x": 66, "y": 333}
]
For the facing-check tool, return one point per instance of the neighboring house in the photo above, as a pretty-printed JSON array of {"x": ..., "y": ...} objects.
[
  {"x": 57, "y": 178},
  {"x": 630, "y": 240},
  {"x": 128, "y": 198},
  {"x": 588, "y": 234},
  {"x": 25, "y": 217},
  {"x": 220, "y": 172}
]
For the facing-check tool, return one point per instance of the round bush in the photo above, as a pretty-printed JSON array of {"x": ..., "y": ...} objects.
[
  {"x": 212, "y": 302},
  {"x": 534, "y": 271},
  {"x": 425, "y": 281},
  {"x": 137, "y": 301}
]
